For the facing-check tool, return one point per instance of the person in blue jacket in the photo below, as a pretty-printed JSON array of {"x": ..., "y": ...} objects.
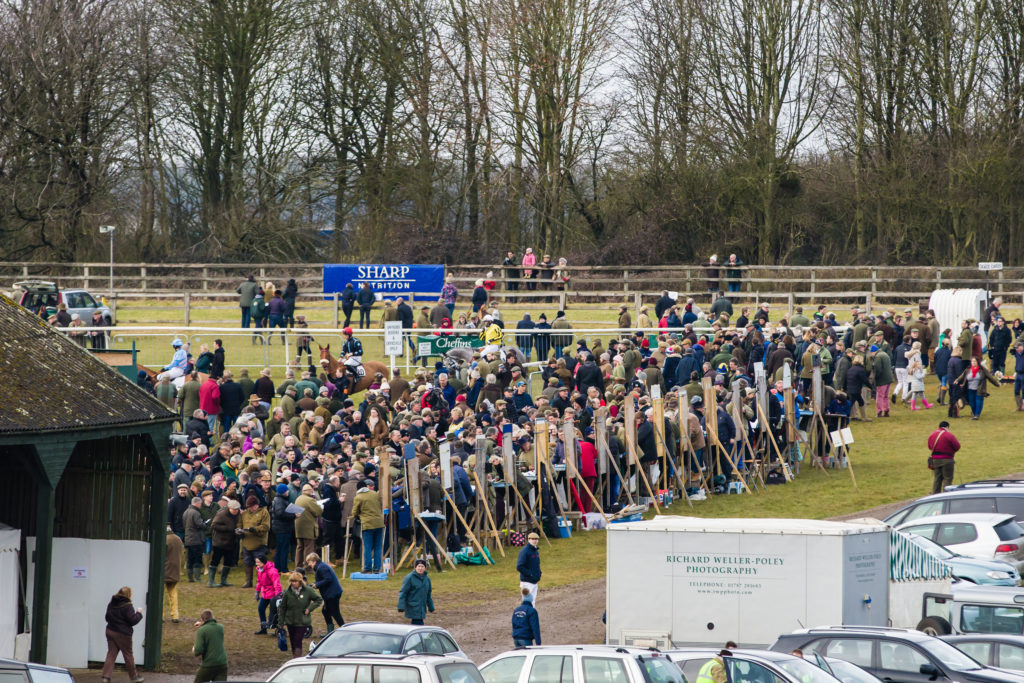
[
  {"x": 462, "y": 492},
  {"x": 528, "y": 566},
  {"x": 525, "y": 623},
  {"x": 329, "y": 587}
]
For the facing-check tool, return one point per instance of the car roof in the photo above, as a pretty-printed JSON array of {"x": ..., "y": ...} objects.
[
  {"x": 382, "y": 627},
  {"x": 418, "y": 658},
  {"x": 603, "y": 649},
  {"x": 767, "y": 655},
  {"x": 1003, "y": 595},
  {"x": 992, "y": 518},
  {"x": 35, "y": 284},
  {"x": 907, "y": 633},
  {"x": 24, "y": 666},
  {"x": 985, "y": 638}
]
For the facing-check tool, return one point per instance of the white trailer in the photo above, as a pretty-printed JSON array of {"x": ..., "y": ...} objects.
[
  {"x": 953, "y": 306},
  {"x": 692, "y": 581}
]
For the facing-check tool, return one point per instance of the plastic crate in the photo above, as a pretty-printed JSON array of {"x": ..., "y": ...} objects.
[{"x": 564, "y": 527}]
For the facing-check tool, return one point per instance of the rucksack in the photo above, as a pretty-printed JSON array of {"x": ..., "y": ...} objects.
[{"x": 516, "y": 538}]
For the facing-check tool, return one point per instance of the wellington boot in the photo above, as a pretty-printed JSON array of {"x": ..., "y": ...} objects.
[
  {"x": 927, "y": 405},
  {"x": 1020, "y": 402},
  {"x": 191, "y": 574},
  {"x": 248, "y": 577},
  {"x": 224, "y": 577},
  {"x": 942, "y": 396},
  {"x": 211, "y": 584},
  {"x": 913, "y": 404}
]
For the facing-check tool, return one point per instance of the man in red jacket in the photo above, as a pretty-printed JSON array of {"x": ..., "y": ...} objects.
[
  {"x": 943, "y": 447},
  {"x": 209, "y": 401}
]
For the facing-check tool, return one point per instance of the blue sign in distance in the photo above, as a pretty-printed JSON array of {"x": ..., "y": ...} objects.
[{"x": 388, "y": 280}]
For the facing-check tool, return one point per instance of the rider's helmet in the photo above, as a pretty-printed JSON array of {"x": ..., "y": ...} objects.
[{"x": 348, "y": 331}]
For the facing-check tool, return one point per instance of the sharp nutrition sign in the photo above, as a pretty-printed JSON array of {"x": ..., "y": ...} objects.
[{"x": 388, "y": 280}]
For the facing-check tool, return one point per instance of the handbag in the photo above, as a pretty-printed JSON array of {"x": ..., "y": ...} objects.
[{"x": 282, "y": 639}]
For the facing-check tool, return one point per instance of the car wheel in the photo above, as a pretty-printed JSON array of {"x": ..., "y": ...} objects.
[{"x": 935, "y": 626}]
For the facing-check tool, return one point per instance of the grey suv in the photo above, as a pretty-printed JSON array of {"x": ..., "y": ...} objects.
[
  {"x": 895, "y": 655},
  {"x": 977, "y": 496}
]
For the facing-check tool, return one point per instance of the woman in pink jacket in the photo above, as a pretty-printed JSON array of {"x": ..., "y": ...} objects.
[
  {"x": 268, "y": 588},
  {"x": 529, "y": 259}
]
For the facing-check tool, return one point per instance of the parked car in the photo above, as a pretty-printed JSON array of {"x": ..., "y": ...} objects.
[
  {"x": 985, "y": 536},
  {"x": 583, "y": 664},
  {"x": 998, "y": 650},
  {"x": 386, "y": 639},
  {"x": 378, "y": 669},
  {"x": 39, "y": 294},
  {"x": 12, "y": 671},
  {"x": 849, "y": 673},
  {"x": 976, "y": 496},
  {"x": 982, "y": 572},
  {"x": 752, "y": 666},
  {"x": 895, "y": 655}
]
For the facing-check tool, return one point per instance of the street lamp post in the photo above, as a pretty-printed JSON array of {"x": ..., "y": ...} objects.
[{"x": 109, "y": 230}]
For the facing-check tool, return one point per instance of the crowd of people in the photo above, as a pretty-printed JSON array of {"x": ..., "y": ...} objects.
[{"x": 277, "y": 475}]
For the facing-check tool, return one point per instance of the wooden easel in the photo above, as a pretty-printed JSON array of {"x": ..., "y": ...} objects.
[
  {"x": 604, "y": 453},
  {"x": 684, "y": 431},
  {"x": 569, "y": 437},
  {"x": 631, "y": 447}
]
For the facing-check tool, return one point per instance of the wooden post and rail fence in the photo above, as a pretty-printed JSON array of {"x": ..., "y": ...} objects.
[{"x": 869, "y": 286}]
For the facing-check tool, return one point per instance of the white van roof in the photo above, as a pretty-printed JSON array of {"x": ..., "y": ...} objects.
[{"x": 805, "y": 527}]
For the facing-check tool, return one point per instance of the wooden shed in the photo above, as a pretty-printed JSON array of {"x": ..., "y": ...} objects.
[{"x": 85, "y": 461}]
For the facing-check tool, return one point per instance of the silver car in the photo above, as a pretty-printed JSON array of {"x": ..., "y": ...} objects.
[
  {"x": 752, "y": 666},
  {"x": 379, "y": 669},
  {"x": 386, "y": 639}
]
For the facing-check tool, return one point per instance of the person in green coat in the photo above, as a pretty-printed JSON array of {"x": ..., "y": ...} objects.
[
  {"x": 297, "y": 603},
  {"x": 209, "y": 645},
  {"x": 884, "y": 377},
  {"x": 415, "y": 597}
]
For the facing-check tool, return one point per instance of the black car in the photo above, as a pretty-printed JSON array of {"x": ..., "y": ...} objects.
[
  {"x": 976, "y": 496},
  {"x": 895, "y": 655},
  {"x": 992, "y": 649}
]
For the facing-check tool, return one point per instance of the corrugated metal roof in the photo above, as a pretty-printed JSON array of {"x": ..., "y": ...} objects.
[
  {"x": 909, "y": 562},
  {"x": 49, "y": 383}
]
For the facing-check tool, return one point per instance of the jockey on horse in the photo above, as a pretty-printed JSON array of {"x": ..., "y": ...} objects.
[
  {"x": 492, "y": 334},
  {"x": 352, "y": 352}
]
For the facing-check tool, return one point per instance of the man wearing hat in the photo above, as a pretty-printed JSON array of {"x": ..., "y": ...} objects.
[
  {"x": 492, "y": 335},
  {"x": 528, "y": 565},
  {"x": 224, "y": 529},
  {"x": 179, "y": 362},
  {"x": 176, "y": 508},
  {"x": 195, "y": 539}
]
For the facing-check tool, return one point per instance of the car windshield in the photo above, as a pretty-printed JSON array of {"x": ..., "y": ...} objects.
[
  {"x": 804, "y": 671},
  {"x": 931, "y": 547},
  {"x": 342, "y": 642},
  {"x": 950, "y": 657},
  {"x": 660, "y": 670},
  {"x": 850, "y": 673}
]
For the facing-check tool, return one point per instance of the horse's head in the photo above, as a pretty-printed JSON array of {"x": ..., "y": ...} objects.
[{"x": 325, "y": 355}]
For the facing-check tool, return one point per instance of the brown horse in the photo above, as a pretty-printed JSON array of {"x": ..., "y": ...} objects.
[{"x": 335, "y": 370}]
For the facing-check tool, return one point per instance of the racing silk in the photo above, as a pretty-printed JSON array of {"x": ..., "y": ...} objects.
[
  {"x": 179, "y": 360},
  {"x": 492, "y": 335},
  {"x": 352, "y": 346}
]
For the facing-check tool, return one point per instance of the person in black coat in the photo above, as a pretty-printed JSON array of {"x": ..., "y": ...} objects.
[
  {"x": 348, "y": 302},
  {"x": 686, "y": 366},
  {"x": 231, "y": 400},
  {"x": 856, "y": 379},
  {"x": 956, "y": 391},
  {"x": 479, "y": 297},
  {"x": 365, "y": 298},
  {"x": 217, "y": 366},
  {"x": 282, "y": 525},
  {"x": 525, "y": 341},
  {"x": 542, "y": 341},
  {"x": 291, "y": 291},
  {"x": 589, "y": 375},
  {"x": 121, "y": 619},
  {"x": 663, "y": 304},
  {"x": 999, "y": 340}
]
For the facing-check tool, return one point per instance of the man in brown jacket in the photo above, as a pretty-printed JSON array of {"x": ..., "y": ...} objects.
[
  {"x": 306, "y": 526},
  {"x": 223, "y": 527},
  {"x": 172, "y": 571},
  {"x": 254, "y": 525}
]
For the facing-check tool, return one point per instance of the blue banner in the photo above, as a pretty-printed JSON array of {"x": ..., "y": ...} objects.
[{"x": 387, "y": 280}]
